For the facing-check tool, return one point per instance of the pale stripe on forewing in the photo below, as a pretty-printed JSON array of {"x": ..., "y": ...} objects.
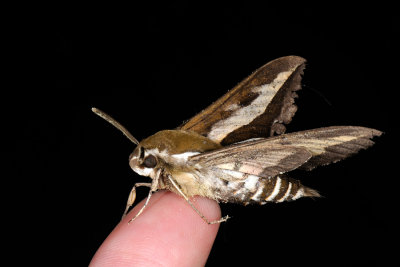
[
  {"x": 318, "y": 146},
  {"x": 275, "y": 191},
  {"x": 244, "y": 115}
]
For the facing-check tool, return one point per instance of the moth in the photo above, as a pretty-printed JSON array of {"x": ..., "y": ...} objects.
[{"x": 236, "y": 150}]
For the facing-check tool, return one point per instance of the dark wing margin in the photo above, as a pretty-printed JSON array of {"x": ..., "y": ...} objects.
[
  {"x": 259, "y": 106},
  {"x": 330, "y": 144}
]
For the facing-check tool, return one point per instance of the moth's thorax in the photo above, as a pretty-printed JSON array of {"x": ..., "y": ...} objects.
[
  {"x": 178, "y": 142},
  {"x": 170, "y": 149}
]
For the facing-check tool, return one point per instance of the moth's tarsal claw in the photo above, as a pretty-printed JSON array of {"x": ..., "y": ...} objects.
[
  {"x": 140, "y": 212},
  {"x": 137, "y": 215},
  {"x": 131, "y": 220},
  {"x": 223, "y": 219},
  {"x": 125, "y": 212}
]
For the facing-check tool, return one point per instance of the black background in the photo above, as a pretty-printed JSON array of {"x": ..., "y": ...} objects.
[{"x": 154, "y": 66}]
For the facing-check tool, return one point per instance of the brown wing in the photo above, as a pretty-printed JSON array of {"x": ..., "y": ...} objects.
[
  {"x": 276, "y": 155},
  {"x": 259, "y": 106},
  {"x": 330, "y": 144},
  {"x": 258, "y": 157}
]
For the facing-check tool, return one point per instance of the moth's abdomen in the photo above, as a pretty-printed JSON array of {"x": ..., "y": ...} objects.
[{"x": 262, "y": 190}]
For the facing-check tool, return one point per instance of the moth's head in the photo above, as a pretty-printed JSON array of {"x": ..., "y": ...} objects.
[
  {"x": 143, "y": 161},
  {"x": 155, "y": 150}
]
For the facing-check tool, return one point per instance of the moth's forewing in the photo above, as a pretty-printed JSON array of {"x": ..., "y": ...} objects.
[
  {"x": 305, "y": 149},
  {"x": 329, "y": 144},
  {"x": 259, "y": 106}
]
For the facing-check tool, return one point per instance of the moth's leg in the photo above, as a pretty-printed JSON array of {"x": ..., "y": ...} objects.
[
  {"x": 153, "y": 187},
  {"x": 223, "y": 219},
  {"x": 132, "y": 196},
  {"x": 142, "y": 209}
]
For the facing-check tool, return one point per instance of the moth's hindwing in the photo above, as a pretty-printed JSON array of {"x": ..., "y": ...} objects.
[
  {"x": 259, "y": 157},
  {"x": 259, "y": 106},
  {"x": 253, "y": 171},
  {"x": 244, "y": 188}
]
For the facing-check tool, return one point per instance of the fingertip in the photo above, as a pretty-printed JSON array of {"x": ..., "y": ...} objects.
[{"x": 168, "y": 231}]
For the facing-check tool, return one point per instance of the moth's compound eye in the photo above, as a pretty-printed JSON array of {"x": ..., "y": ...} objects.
[{"x": 150, "y": 161}]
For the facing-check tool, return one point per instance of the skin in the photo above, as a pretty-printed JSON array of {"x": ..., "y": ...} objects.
[{"x": 168, "y": 233}]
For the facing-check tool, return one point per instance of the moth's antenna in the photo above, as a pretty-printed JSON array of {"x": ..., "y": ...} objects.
[
  {"x": 116, "y": 124},
  {"x": 319, "y": 93}
]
